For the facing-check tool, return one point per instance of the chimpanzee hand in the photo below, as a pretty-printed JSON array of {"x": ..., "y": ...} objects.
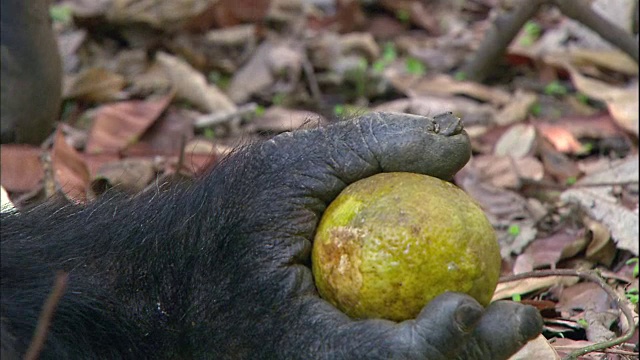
[
  {"x": 221, "y": 269},
  {"x": 268, "y": 228}
]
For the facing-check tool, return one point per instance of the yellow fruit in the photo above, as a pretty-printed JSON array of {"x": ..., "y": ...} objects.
[{"x": 390, "y": 243}]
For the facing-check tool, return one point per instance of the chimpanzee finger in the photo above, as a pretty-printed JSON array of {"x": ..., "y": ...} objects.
[{"x": 503, "y": 330}]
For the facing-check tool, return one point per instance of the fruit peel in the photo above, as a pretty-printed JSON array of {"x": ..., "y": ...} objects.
[{"x": 390, "y": 243}]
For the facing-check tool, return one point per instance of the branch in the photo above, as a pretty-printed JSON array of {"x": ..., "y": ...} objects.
[
  {"x": 594, "y": 277},
  {"x": 582, "y": 13}
]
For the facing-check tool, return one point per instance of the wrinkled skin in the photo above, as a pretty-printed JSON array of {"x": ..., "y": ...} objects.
[{"x": 221, "y": 269}]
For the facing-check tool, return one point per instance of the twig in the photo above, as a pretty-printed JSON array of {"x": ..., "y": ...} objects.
[
  {"x": 223, "y": 117},
  {"x": 594, "y": 277},
  {"x": 505, "y": 28},
  {"x": 49, "y": 308},
  {"x": 582, "y": 13}
]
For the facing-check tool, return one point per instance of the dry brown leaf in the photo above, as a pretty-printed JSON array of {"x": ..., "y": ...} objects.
[
  {"x": 161, "y": 14},
  {"x": 517, "y": 109},
  {"x": 504, "y": 208},
  {"x": 601, "y": 248},
  {"x": 129, "y": 175},
  {"x": 621, "y": 101},
  {"x": 601, "y": 205},
  {"x": 443, "y": 85},
  {"x": 561, "y": 139},
  {"x": 270, "y": 62},
  {"x": 505, "y": 171},
  {"x": 95, "y": 85},
  {"x": 613, "y": 59},
  {"x": 557, "y": 164},
  {"x": 20, "y": 167},
  {"x": 518, "y": 142},
  {"x": 69, "y": 170},
  {"x": 519, "y": 287},
  {"x": 166, "y": 136},
  {"x": 536, "y": 349},
  {"x": 546, "y": 251},
  {"x": 118, "y": 125},
  {"x": 277, "y": 119},
  {"x": 191, "y": 85}
]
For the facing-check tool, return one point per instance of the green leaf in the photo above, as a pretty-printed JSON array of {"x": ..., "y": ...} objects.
[
  {"x": 583, "y": 323},
  {"x": 532, "y": 32},
  {"x": 582, "y": 98},
  {"x": 516, "y": 297},
  {"x": 209, "y": 133},
  {"x": 535, "y": 109},
  {"x": 389, "y": 52},
  {"x": 571, "y": 180},
  {"x": 260, "y": 110},
  {"x": 403, "y": 15},
  {"x": 636, "y": 267},
  {"x": 339, "y": 110},
  {"x": 514, "y": 230},
  {"x": 61, "y": 14},
  {"x": 460, "y": 76},
  {"x": 415, "y": 66},
  {"x": 555, "y": 88}
]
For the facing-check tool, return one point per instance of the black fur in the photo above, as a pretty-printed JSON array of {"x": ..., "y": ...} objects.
[{"x": 220, "y": 268}]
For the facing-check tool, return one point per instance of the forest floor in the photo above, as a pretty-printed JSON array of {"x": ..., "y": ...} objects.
[{"x": 162, "y": 89}]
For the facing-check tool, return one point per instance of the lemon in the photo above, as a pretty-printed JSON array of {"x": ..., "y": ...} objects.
[{"x": 390, "y": 243}]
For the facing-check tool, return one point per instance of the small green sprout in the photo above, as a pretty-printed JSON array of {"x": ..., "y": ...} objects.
[
  {"x": 516, "y": 297},
  {"x": 532, "y": 32},
  {"x": 61, "y": 14},
  {"x": 555, "y": 88},
  {"x": 582, "y": 98},
  {"x": 460, "y": 76},
  {"x": 514, "y": 230},
  {"x": 278, "y": 98},
  {"x": 633, "y": 295},
  {"x": 403, "y": 15},
  {"x": 209, "y": 133},
  {"x": 536, "y": 109},
  {"x": 636, "y": 266},
  {"x": 415, "y": 66}
]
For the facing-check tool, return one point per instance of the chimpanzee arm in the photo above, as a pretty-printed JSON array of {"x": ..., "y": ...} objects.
[{"x": 221, "y": 269}]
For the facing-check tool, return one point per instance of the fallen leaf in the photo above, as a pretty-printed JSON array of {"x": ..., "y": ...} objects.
[
  {"x": 95, "y": 85},
  {"x": 443, "y": 85},
  {"x": 505, "y": 171},
  {"x": 130, "y": 176},
  {"x": 69, "y": 170},
  {"x": 160, "y": 14},
  {"x": 547, "y": 251},
  {"x": 518, "y": 142},
  {"x": 118, "y": 125},
  {"x": 20, "y": 167},
  {"x": 191, "y": 85},
  {"x": 621, "y": 101},
  {"x": 561, "y": 139},
  {"x": 601, "y": 205},
  {"x": 277, "y": 119},
  {"x": 601, "y": 248},
  {"x": 517, "y": 109},
  {"x": 506, "y": 290},
  {"x": 536, "y": 349}
]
